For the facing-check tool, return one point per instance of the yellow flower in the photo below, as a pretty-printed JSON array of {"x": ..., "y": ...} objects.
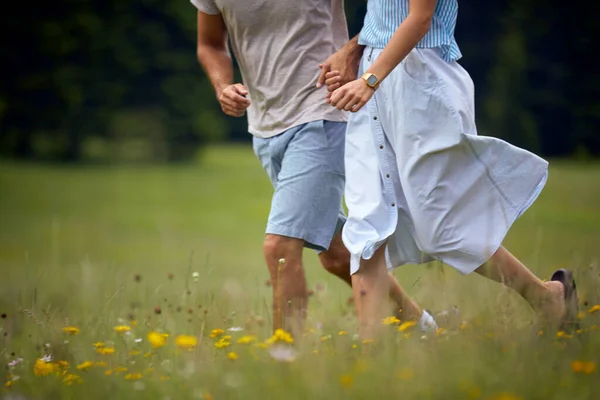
[
  {"x": 98, "y": 345},
  {"x": 342, "y": 333},
  {"x": 108, "y": 372},
  {"x": 367, "y": 341},
  {"x": 440, "y": 331},
  {"x": 580, "y": 315},
  {"x": 165, "y": 378},
  {"x": 232, "y": 356},
  {"x": 134, "y": 352},
  {"x": 43, "y": 368},
  {"x": 9, "y": 384},
  {"x": 562, "y": 334},
  {"x": 325, "y": 337},
  {"x": 406, "y": 325},
  {"x": 186, "y": 342},
  {"x": 71, "y": 330},
  {"x": 85, "y": 365},
  {"x": 247, "y": 339},
  {"x": 586, "y": 367},
  {"x": 105, "y": 350},
  {"x": 390, "y": 321},
  {"x": 222, "y": 343},
  {"x": 148, "y": 354},
  {"x": 216, "y": 333},
  {"x": 122, "y": 328},
  {"x": 346, "y": 380},
  {"x": 157, "y": 340},
  {"x": 464, "y": 326},
  {"x": 120, "y": 369},
  {"x": 355, "y": 346},
  {"x": 594, "y": 309},
  {"x": 101, "y": 364},
  {"x": 280, "y": 336},
  {"x": 133, "y": 377},
  {"x": 261, "y": 345},
  {"x": 71, "y": 378}
]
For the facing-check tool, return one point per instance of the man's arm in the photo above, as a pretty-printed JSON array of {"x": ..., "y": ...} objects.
[{"x": 213, "y": 55}]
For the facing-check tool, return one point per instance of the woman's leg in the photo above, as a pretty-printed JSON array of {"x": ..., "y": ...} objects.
[
  {"x": 371, "y": 288},
  {"x": 547, "y": 298}
]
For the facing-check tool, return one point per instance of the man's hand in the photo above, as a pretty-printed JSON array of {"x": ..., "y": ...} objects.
[
  {"x": 345, "y": 67},
  {"x": 344, "y": 63},
  {"x": 233, "y": 102}
]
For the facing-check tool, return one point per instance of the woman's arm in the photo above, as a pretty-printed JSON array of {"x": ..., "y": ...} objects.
[
  {"x": 354, "y": 95},
  {"x": 409, "y": 33}
]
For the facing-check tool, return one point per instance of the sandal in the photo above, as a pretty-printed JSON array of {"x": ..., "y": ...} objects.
[{"x": 570, "y": 320}]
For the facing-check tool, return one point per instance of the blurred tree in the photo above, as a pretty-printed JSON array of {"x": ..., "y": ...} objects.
[{"x": 83, "y": 77}]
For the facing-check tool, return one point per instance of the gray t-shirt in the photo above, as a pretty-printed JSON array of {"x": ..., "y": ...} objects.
[{"x": 278, "y": 45}]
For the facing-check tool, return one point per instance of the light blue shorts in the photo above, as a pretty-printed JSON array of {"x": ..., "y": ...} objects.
[{"x": 306, "y": 166}]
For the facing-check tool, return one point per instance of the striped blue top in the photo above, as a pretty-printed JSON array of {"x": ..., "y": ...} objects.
[{"x": 384, "y": 16}]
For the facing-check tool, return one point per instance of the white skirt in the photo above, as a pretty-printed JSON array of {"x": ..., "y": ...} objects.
[{"x": 419, "y": 177}]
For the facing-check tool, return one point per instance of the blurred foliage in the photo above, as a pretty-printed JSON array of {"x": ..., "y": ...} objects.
[{"x": 112, "y": 80}]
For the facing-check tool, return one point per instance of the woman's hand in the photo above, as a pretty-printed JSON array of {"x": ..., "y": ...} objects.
[{"x": 352, "y": 96}]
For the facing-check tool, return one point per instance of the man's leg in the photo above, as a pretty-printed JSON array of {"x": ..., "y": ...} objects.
[
  {"x": 284, "y": 260},
  {"x": 336, "y": 260}
]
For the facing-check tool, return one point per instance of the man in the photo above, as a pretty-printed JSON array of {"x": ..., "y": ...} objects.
[{"x": 298, "y": 137}]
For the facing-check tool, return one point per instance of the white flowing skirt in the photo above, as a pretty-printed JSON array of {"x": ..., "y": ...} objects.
[{"x": 419, "y": 177}]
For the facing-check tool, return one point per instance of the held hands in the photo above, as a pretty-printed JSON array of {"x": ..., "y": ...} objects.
[
  {"x": 350, "y": 97},
  {"x": 345, "y": 66},
  {"x": 233, "y": 102}
]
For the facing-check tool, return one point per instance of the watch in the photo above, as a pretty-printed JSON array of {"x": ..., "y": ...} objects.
[{"x": 371, "y": 80}]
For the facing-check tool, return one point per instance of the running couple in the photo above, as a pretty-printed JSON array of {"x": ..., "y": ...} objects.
[{"x": 419, "y": 183}]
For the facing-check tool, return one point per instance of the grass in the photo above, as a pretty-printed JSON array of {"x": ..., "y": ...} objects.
[{"x": 177, "y": 250}]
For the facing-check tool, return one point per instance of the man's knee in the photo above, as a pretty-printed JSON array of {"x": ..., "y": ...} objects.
[{"x": 277, "y": 247}]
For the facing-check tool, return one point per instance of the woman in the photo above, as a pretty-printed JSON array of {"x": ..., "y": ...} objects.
[{"x": 419, "y": 180}]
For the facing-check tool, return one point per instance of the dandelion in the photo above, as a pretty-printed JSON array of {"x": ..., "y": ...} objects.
[
  {"x": 186, "y": 342},
  {"x": 223, "y": 342},
  {"x": 105, "y": 351},
  {"x": 71, "y": 378},
  {"x": 84, "y": 366},
  {"x": 563, "y": 334},
  {"x": 247, "y": 339},
  {"x": 390, "y": 321},
  {"x": 232, "y": 356},
  {"x": 43, "y": 367},
  {"x": 157, "y": 340},
  {"x": 280, "y": 336},
  {"x": 216, "y": 333},
  {"x": 586, "y": 367},
  {"x": 133, "y": 377},
  {"x": 122, "y": 328},
  {"x": 71, "y": 330},
  {"x": 346, "y": 380},
  {"x": 594, "y": 309},
  {"x": 98, "y": 345},
  {"x": 406, "y": 325}
]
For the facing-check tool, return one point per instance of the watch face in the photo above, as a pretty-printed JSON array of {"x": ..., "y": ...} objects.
[{"x": 372, "y": 80}]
